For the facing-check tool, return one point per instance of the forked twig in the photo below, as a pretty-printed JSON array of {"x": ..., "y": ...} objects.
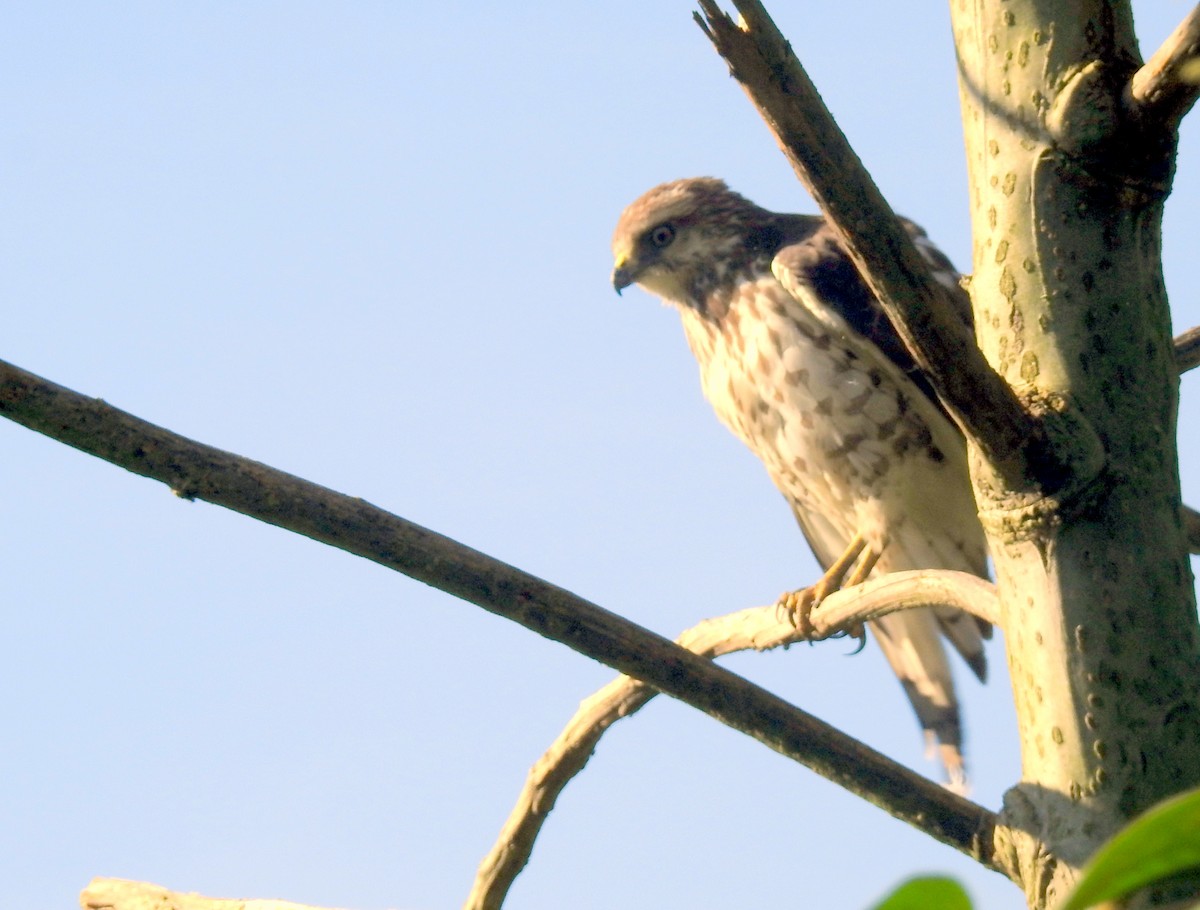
[{"x": 758, "y": 629}]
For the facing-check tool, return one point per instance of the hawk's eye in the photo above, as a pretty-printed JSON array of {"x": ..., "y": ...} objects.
[{"x": 662, "y": 235}]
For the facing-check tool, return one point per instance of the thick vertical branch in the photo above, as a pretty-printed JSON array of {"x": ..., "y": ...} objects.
[{"x": 1103, "y": 646}]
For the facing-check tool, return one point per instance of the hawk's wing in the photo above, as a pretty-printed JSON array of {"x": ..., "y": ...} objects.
[
  {"x": 816, "y": 271},
  {"x": 817, "y": 262}
]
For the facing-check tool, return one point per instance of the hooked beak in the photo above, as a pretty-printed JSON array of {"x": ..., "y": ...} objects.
[{"x": 622, "y": 276}]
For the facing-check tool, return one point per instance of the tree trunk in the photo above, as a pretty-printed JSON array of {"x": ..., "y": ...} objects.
[{"x": 1067, "y": 186}]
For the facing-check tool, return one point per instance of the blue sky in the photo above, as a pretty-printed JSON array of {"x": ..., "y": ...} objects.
[{"x": 368, "y": 244}]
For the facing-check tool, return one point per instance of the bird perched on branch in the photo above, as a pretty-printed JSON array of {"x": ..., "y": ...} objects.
[{"x": 799, "y": 360}]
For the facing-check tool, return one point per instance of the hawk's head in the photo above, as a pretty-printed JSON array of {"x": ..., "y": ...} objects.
[{"x": 683, "y": 238}]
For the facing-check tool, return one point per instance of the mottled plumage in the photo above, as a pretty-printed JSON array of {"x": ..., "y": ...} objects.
[{"x": 799, "y": 360}]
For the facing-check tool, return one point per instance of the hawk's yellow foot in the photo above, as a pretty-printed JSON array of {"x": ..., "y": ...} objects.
[{"x": 797, "y": 606}]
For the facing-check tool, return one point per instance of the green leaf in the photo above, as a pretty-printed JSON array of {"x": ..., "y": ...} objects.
[
  {"x": 927, "y": 893},
  {"x": 1161, "y": 842}
]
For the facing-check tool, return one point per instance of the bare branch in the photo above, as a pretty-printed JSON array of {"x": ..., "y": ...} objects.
[
  {"x": 120, "y": 894},
  {"x": 907, "y": 591},
  {"x": 1167, "y": 86},
  {"x": 979, "y": 399},
  {"x": 758, "y": 629},
  {"x": 1187, "y": 350},
  {"x": 197, "y": 471},
  {"x": 1191, "y": 528}
]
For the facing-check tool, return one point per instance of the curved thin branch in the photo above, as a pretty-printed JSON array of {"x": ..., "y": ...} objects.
[
  {"x": 908, "y": 590},
  {"x": 197, "y": 471},
  {"x": 758, "y": 629},
  {"x": 976, "y": 396},
  {"x": 1168, "y": 85}
]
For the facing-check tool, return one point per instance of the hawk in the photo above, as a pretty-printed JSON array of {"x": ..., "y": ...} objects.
[{"x": 799, "y": 360}]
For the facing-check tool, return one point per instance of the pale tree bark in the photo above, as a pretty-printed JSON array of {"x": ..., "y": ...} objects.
[{"x": 1067, "y": 184}]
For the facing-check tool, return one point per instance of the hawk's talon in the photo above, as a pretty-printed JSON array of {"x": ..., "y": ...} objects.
[
  {"x": 796, "y": 608},
  {"x": 858, "y": 632}
]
